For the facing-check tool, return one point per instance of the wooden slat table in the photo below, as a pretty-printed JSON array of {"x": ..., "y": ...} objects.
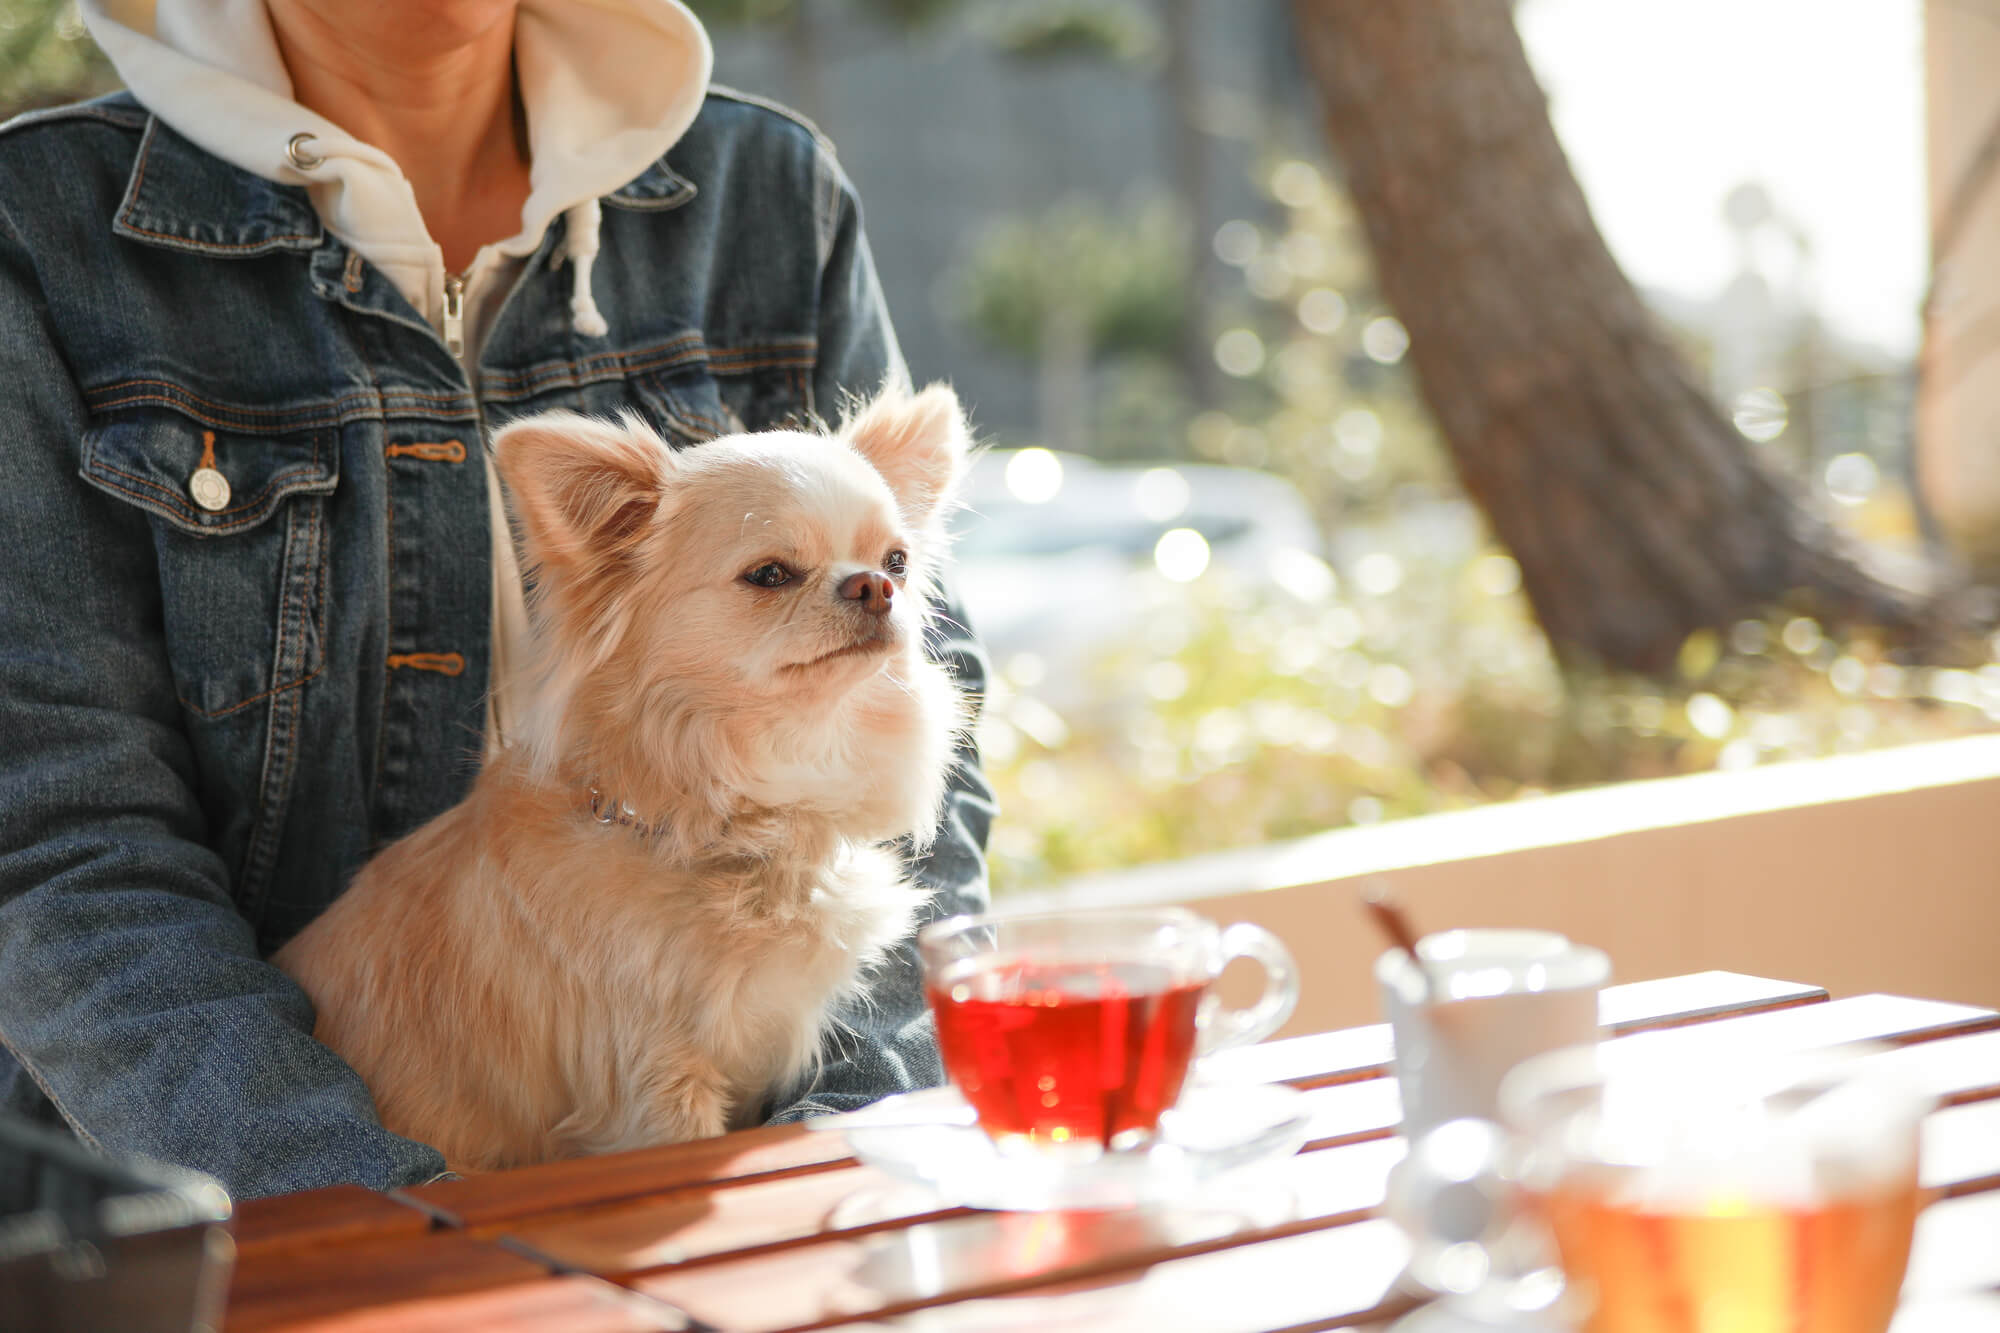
[{"x": 779, "y": 1229}]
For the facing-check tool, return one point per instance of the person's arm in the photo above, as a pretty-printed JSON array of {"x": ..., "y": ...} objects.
[
  {"x": 885, "y": 1042},
  {"x": 131, "y": 990}
]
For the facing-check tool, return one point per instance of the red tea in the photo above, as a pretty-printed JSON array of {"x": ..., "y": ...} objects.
[{"x": 1066, "y": 1052}]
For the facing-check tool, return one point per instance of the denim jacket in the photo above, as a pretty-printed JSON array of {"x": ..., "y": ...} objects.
[{"x": 212, "y": 714}]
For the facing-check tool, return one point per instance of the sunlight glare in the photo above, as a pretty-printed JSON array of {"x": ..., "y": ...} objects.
[
  {"x": 1181, "y": 555},
  {"x": 1034, "y": 476}
]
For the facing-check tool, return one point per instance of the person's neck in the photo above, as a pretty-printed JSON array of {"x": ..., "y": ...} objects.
[{"x": 446, "y": 111}]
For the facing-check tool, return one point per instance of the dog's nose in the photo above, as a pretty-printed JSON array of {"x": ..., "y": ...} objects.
[{"x": 871, "y": 588}]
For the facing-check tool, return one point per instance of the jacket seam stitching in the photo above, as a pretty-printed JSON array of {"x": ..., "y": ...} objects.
[
  {"x": 128, "y": 208},
  {"x": 133, "y": 118},
  {"x": 779, "y": 109},
  {"x": 274, "y": 791},
  {"x": 41, "y": 1081},
  {"x": 255, "y": 698},
  {"x": 248, "y": 522},
  {"x": 223, "y": 418},
  {"x": 94, "y": 396},
  {"x": 262, "y": 500}
]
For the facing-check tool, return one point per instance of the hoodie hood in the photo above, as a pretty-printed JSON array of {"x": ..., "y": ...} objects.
[{"x": 608, "y": 86}]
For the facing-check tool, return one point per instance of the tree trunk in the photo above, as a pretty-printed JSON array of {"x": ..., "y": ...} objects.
[{"x": 1635, "y": 511}]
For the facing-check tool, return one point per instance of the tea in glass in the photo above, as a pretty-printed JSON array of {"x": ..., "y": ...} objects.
[
  {"x": 1067, "y": 1052},
  {"x": 1073, "y": 1030},
  {"x": 1733, "y": 1194}
]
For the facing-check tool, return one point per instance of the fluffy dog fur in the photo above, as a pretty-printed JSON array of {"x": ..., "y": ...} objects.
[{"x": 520, "y": 980}]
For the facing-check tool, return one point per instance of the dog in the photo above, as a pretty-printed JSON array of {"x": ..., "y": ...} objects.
[{"x": 633, "y": 929}]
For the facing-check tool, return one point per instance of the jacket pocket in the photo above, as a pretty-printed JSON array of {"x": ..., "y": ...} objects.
[
  {"x": 242, "y": 561},
  {"x": 726, "y": 392},
  {"x": 684, "y": 404}
]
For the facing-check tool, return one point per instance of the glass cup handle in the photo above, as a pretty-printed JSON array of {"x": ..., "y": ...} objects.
[
  {"x": 1456, "y": 1195},
  {"x": 1221, "y": 1027}
]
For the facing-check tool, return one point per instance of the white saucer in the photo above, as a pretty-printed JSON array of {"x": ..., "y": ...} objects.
[{"x": 929, "y": 1138}]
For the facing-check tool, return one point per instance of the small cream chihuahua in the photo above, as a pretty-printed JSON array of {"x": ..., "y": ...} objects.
[{"x": 635, "y": 926}]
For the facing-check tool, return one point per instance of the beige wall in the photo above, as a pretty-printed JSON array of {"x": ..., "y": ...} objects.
[{"x": 1866, "y": 873}]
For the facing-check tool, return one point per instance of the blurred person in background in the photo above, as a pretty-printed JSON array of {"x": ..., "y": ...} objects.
[{"x": 257, "y": 598}]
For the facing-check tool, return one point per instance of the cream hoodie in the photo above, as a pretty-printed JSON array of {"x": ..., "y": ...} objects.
[{"x": 608, "y": 86}]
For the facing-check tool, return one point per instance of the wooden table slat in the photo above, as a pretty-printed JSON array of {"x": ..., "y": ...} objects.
[
  {"x": 1892, "y": 1019},
  {"x": 284, "y": 1287},
  {"x": 1365, "y": 1052},
  {"x": 1961, "y": 1150},
  {"x": 322, "y": 1217},
  {"x": 749, "y": 1154},
  {"x": 1283, "y": 1281},
  {"x": 1957, "y": 1247},
  {"x": 1954, "y": 1068},
  {"x": 566, "y": 1304}
]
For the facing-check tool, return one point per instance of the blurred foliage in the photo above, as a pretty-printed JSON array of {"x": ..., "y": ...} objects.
[
  {"x": 1419, "y": 681},
  {"x": 1257, "y": 716},
  {"x": 46, "y": 57},
  {"x": 1123, "y": 277},
  {"x": 1114, "y": 30},
  {"x": 1323, "y": 397}
]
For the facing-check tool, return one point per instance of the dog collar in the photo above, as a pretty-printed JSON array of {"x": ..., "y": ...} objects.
[{"x": 608, "y": 810}]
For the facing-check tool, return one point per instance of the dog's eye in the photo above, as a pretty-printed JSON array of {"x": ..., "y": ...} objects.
[
  {"x": 773, "y": 575},
  {"x": 897, "y": 563}
]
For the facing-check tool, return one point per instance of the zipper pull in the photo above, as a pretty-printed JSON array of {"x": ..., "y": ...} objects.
[{"x": 454, "y": 314}]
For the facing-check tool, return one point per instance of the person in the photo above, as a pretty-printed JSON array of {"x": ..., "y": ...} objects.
[{"x": 257, "y": 316}]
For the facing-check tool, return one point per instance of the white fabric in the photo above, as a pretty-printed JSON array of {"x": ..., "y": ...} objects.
[
  {"x": 486, "y": 287},
  {"x": 608, "y": 86}
]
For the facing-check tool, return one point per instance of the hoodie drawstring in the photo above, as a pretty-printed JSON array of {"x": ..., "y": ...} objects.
[{"x": 579, "y": 248}]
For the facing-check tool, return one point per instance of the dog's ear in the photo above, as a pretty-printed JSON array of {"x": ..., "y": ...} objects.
[
  {"x": 584, "y": 490},
  {"x": 917, "y": 442}
]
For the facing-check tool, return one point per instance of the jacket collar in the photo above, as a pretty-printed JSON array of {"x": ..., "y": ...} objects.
[{"x": 184, "y": 198}]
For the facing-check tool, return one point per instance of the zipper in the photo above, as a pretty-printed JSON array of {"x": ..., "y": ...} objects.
[{"x": 454, "y": 314}]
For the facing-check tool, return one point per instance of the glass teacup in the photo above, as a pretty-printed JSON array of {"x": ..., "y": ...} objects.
[
  {"x": 1075, "y": 1030},
  {"x": 1743, "y": 1192},
  {"x": 1658, "y": 1186}
]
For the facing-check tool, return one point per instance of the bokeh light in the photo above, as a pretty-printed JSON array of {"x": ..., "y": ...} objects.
[
  {"x": 1322, "y": 310},
  {"x": 1181, "y": 555},
  {"x": 1034, "y": 476},
  {"x": 1851, "y": 479},
  {"x": 1760, "y": 414},
  {"x": 1385, "y": 340},
  {"x": 1240, "y": 352},
  {"x": 1295, "y": 184},
  {"x": 1236, "y": 242}
]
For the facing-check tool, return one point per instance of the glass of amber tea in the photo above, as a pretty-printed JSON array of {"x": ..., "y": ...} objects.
[
  {"x": 1075, "y": 1030},
  {"x": 1733, "y": 1192}
]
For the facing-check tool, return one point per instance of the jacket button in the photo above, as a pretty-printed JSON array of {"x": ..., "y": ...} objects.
[{"x": 210, "y": 489}]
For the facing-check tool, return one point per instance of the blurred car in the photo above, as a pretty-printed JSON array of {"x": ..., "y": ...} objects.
[{"x": 1058, "y": 555}]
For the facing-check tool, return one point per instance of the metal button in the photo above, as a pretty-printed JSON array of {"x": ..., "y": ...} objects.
[
  {"x": 210, "y": 489},
  {"x": 302, "y": 157}
]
